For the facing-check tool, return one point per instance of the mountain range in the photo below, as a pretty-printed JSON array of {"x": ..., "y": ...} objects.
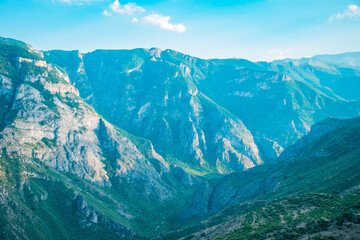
[{"x": 146, "y": 143}]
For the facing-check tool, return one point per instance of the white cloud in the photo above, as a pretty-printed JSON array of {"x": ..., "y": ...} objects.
[
  {"x": 107, "y": 13},
  {"x": 133, "y": 9},
  {"x": 163, "y": 22},
  {"x": 352, "y": 11},
  {"x": 129, "y": 8}
]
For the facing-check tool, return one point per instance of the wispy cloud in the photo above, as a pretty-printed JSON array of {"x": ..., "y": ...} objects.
[
  {"x": 352, "y": 11},
  {"x": 136, "y": 11},
  {"x": 163, "y": 22},
  {"x": 129, "y": 8}
]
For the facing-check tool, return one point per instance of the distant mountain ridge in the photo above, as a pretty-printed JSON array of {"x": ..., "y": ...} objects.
[{"x": 349, "y": 59}]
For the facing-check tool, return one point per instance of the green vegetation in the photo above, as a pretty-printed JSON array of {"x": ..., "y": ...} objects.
[
  {"x": 70, "y": 99},
  {"x": 50, "y": 143},
  {"x": 54, "y": 77},
  {"x": 314, "y": 215},
  {"x": 58, "y": 57},
  {"x": 11, "y": 51}
]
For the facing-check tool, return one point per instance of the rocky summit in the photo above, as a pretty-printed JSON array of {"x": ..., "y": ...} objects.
[{"x": 156, "y": 144}]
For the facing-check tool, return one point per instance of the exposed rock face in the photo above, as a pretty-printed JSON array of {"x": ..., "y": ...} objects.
[
  {"x": 7, "y": 91},
  {"x": 36, "y": 124},
  {"x": 131, "y": 165},
  {"x": 52, "y": 123}
]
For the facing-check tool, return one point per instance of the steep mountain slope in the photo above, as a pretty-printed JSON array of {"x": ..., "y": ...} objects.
[
  {"x": 193, "y": 110},
  {"x": 153, "y": 98},
  {"x": 58, "y": 153},
  {"x": 328, "y": 164}
]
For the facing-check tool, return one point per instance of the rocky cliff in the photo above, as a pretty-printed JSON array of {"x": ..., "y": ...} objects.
[{"x": 52, "y": 139}]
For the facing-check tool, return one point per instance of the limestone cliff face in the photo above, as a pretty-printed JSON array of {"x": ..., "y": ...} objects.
[{"x": 46, "y": 119}]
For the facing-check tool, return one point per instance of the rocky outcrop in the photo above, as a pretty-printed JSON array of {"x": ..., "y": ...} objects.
[
  {"x": 90, "y": 217},
  {"x": 7, "y": 92},
  {"x": 131, "y": 165}
]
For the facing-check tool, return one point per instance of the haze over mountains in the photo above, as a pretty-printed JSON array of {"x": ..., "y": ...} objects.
[{"x": 147, "y": 143}]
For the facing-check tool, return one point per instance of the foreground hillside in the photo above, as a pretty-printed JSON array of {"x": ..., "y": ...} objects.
[{"x": 305, "y": 216}]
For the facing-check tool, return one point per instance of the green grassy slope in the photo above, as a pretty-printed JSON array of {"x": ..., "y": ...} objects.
[{"x": 313, "y": 216}]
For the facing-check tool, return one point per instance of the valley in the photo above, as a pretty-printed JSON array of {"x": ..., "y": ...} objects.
[{"x": 156, "y": 144}]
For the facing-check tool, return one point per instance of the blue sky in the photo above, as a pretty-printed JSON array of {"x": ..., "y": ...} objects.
[{"x": 255, "y": 30}]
